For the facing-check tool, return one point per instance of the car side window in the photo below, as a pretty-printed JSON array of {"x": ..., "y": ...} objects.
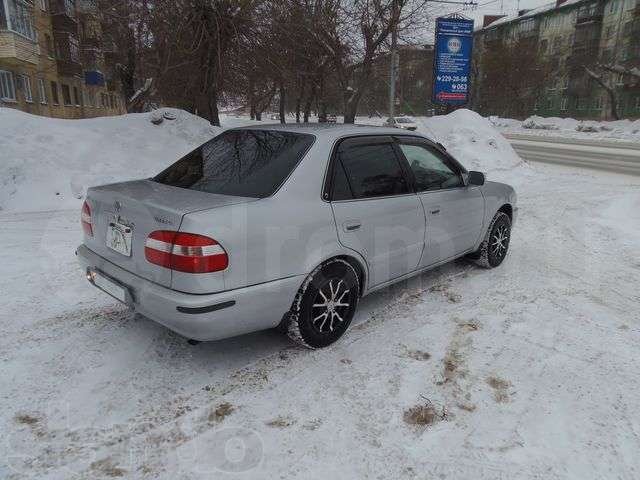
[
  {"x": 340, "y": 188},
  {"x": 373, "y": 170},
  {"x": 431, "y": 169}
]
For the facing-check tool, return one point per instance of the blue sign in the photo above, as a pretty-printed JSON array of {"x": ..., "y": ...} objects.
[
  {"x": 452, "y": 60},
  {"x": 94, "y": 77}
]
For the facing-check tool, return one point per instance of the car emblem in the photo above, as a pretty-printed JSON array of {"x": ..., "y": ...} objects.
[
  {"x": 117, "y": 206},
  {"x": 163, "y": 220}
]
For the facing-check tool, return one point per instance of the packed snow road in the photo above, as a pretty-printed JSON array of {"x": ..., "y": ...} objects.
[
  {"x": 533, "y": 367},
  {"x": 614, "y": 156}
]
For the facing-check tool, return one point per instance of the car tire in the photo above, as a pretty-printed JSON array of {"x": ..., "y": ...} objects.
[
  {"x": 324, "y": 306},
  {"x": 495, "y": 245}
]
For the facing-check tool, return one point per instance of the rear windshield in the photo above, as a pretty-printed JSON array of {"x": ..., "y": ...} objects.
[{"x": 246, "y": 163}]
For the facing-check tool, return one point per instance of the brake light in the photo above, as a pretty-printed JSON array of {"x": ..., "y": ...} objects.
[
  {"x": 85, "y": 219},
  {"x": 185, "y": 252}
]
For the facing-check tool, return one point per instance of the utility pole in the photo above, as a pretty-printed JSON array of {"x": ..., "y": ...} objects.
[{"x": 394, "y": 61}]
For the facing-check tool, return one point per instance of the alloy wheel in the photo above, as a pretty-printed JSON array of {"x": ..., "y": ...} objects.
[
  {"x": 331, "y": 306},
  {"x": 499, "y": 241}
]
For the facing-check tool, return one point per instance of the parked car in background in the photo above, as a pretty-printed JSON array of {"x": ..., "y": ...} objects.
[
  {"x": 275, "y": 116},
  {"x": 405, "y": 123},
  {"x": 289, "y": 226},
  {"x": 331, "y": 118}
]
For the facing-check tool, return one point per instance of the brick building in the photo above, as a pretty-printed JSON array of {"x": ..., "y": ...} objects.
[
  {"x": 573, "y": 58},
  {"x": 52, "y": 60}
]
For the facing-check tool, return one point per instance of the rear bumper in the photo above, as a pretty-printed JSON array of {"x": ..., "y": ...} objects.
[{"x": 202, "y": 317}]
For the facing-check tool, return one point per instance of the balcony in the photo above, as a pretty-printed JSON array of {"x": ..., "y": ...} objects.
[
  {"x": 67, "y": 54},
  {"x": 16, "y": 47},
  {"x": 590, "y": 13},
  {"x": 583, "y": 56},
  {"x": 64, "y": 16},
  {"x": 92, "y": 42},
  {"x": 69, "y": 68}
]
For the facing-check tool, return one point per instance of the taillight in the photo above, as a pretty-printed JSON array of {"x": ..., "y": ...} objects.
[
  {"x": 185, "y": 252},
  {"x": 85, "y": 219}
]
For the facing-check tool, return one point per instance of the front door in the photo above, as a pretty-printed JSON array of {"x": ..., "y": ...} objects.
[
  {"x": 376, "y": 212},
  {"x": 454, "y": 212}
]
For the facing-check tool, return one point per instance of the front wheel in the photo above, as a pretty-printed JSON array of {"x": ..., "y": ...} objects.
[
  {"x": 495, "y": 245},
  {"x": 325, "y": 305}
]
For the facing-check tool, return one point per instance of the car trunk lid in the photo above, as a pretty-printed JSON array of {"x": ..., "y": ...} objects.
[{"x": 138, "y": 208}]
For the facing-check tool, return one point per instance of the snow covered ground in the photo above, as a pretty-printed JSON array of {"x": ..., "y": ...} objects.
[
  {"x": 532, "y": 367},
  {"x": 619, "y": 130}
]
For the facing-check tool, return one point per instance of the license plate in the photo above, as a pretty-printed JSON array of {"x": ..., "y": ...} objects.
[
  {"x": 108, "y": 286},
  {"x": 119, "y": 237}
]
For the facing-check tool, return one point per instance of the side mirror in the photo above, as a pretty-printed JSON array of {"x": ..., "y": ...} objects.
[{"x": 475, "y": 178}]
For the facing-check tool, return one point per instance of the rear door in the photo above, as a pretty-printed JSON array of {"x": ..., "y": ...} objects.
[
  {"x": 454, "y": 212},
  {"x": 376, "y": 212}
]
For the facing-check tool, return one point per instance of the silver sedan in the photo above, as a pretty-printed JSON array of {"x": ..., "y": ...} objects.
[{"x": 288, "y": 226}]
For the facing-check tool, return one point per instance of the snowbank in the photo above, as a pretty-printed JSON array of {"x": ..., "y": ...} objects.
[
  {"x": 47, "y": 164},
  {"x": 475, "y": 142},
  {"x": 624, "y": 130}
]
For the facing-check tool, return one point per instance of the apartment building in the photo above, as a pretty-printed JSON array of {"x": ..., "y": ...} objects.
[
  {"x": 52, "y": 60},
  {"x": 414, "y": 82},
  {"x": 572, "y": 58}
]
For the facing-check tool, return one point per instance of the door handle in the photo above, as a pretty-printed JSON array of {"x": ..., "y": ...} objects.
[
  {"x": 351, "y": 225},
  {"x": 435, "y": 210}
]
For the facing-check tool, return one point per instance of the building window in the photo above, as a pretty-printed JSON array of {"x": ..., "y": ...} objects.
[
  {"x": 564, "y": 104},
  {"x": 550, "y": 104},
  {"x": 66, "y": 95},
  {"x": 42, "y": 91},
  {"x": 581, "y": 103},
  {"x": 7, "y": 86},
  {"x": 43, "y": 5},
  {"x": 76, "y": 96},
  {"x": 54, "y": 93},
  {"x": 74, "y": 51},
  {"x": 89, "y": 99},
  {"x": 70, "y": 8},
  {"x": 20, "y": 19},
  {"x": 597, "y": 104},
  {"x": 48, "y": 45},
  {"x": 25, "y": 83},
  {"x": 638, "y": 103}
]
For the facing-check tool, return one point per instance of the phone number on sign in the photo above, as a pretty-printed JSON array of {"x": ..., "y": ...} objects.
[{"x": 451, "y": 78}]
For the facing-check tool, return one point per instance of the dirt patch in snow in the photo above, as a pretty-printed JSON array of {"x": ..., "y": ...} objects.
[
  {"x": 107, "y": 467},
  {"x": 26, "y": 419},
  {"x": 221, "y": 412},
  {"x": 425, "y": 414},
  {"x": 445, "y": 289},
  {"x": 280, "y": 422},
  {"x": 418, "y": 355},
  {"x": 500, "y": 389}
]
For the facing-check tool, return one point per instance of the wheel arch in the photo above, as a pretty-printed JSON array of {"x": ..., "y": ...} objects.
[
  {"x": 507, "y": 209},
  {"x": 357, "y": 266}
]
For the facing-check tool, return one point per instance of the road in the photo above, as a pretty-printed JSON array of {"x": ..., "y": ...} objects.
[{"x": 614, "y": 156}]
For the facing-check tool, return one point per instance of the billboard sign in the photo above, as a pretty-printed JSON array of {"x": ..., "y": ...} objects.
[{"x": 452, "y": 60}]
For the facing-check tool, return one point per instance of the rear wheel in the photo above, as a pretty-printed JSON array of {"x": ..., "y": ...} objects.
[
  {"x": 325, "y": 305},
  {"x": 495, "y": 245}
]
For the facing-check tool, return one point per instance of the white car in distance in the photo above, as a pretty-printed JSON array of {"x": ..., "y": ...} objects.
[{"x": 405, "y": 123}]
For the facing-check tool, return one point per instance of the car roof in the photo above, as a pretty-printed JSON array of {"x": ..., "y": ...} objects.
[{"x": 329, "y": 131}]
